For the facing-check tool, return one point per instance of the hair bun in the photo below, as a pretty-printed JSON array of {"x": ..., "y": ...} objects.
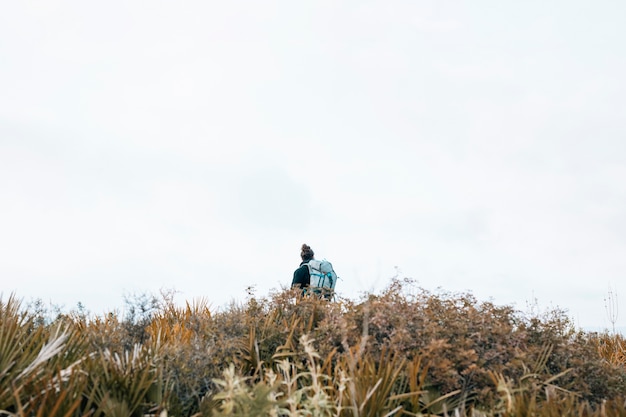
[{"x": 306, "y": 253}]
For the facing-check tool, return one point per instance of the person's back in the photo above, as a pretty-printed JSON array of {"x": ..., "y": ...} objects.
[
  {"x": 301, "y": 276},
  {"x": 313, "y": 276}
]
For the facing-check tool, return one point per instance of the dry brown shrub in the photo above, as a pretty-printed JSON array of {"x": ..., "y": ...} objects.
[{"x": 459, "y": 342}]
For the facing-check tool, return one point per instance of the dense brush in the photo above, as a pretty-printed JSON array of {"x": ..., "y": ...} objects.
[{"x": 405, "y": 351}]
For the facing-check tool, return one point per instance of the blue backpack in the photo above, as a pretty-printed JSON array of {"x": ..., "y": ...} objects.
[{"x": 323, "y": 277}]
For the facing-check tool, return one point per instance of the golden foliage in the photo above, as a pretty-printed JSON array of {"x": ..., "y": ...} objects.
[{"x": 405, "y": 351}]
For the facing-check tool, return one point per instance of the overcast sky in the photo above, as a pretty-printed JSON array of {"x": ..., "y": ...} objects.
[{"x": 476, "y": 146}]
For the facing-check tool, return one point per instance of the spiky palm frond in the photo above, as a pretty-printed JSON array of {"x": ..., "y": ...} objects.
[
  {"x": 122, "y": 381},
  {"x": 35, "y": 361},
  {"x": 59, "y": 395},
  {"x": 372, "y": 384}
]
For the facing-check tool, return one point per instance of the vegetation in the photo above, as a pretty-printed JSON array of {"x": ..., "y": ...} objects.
[{"x": 405, "y": 351}]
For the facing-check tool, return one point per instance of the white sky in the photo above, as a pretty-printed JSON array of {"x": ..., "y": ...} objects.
[{"x": 196, "y": 145}]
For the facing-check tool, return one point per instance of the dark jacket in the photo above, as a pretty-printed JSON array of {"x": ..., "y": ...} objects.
[{"x": 301, "y": 276}]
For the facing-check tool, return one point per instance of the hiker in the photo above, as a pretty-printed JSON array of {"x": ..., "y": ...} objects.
[
  {"x": 313, "y": 276},
  {"x": 302, "y": 276}
]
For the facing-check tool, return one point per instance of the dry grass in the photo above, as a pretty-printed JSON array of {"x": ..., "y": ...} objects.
[{"x": 405, "y": 351}]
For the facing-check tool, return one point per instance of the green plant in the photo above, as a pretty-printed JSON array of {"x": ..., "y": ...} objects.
[{"x": 122, "y": 381}]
